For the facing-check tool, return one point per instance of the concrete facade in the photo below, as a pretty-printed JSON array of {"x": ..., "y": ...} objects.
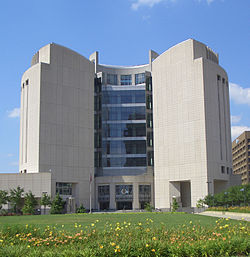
[
  {"x": 172, "y": 122},
  {"x": 241, "y": 156}
]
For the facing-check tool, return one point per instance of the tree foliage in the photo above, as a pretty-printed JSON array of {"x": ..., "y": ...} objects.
[
  {"x": 57, "y": 205},
  {"x": 175, "y": 205},
  {"x": 3, "y": 198},
  {"x": 45, "y": 201},
  {"x": 233, "y": 196},
  {"x": 30, "y": 203},
  {"x": 15, "y": 199}
]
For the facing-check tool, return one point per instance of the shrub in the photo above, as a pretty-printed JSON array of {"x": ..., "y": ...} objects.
[
  {"x": 57, "y": 205},
  {"x": 29, "y": 203},
  {"x": 81, "y": 209}
]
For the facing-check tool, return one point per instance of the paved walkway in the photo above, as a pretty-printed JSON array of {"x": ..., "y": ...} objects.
[{"x": 230, "y": 215}]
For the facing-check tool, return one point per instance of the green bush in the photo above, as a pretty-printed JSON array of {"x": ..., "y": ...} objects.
[
  {"x": 57, "y": 205},
  {"x": 81, "y": 209},
  {"x": 30, "y": 203}
]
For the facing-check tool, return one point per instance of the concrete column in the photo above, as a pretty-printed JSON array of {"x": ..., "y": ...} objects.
[
  {"x": 112, "y": 204},
  {"x": 136, "y": 205}
]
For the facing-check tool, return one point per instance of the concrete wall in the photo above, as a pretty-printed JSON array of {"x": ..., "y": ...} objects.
[
  {"x": 37, "y": 183},
  {"x": 60, "y": 135},
  {"x": 185, "y": 120}
]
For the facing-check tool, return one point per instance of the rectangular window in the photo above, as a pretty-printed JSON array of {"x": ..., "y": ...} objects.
[
  {"x": 139, "y": 78},
  {"x": 222, "y": 169},
  {"x": 144, "y": 193},
  {"x": 124, "y": 192},
  {"x": 63, "y": 188},
  {"x": 112, "y": 79},
  {"x": 126, "y": 80},
  {"x": 103, "y": 193}
]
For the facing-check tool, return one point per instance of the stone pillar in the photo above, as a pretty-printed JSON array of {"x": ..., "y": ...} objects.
[
  {"x": 136, "y": 205},
  {"x": 112, "y": 204}
]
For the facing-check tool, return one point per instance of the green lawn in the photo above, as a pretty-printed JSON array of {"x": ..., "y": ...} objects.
[
  {"x": 68, "y": 220},
  {"x": 124, "y": 234}
]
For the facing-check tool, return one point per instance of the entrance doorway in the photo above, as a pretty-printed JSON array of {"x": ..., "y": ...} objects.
[
  {"x": 104, "y": 206},
  {"x": 124, "y": 205}
]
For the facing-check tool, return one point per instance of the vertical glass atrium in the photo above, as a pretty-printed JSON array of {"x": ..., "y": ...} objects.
[{"x": 122, "y": 139}]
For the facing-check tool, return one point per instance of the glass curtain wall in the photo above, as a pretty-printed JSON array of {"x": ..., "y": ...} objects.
[{"x": 124, "y": 133}]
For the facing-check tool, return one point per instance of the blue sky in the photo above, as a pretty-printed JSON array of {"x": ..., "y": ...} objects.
[{"x": 122, "y": 31}]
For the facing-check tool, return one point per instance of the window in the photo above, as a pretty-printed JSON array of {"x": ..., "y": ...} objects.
[
  {"x": 223, "y": 80},
  {"x": 27, "y": 82},
  {"x": 144, "y": 193},
  {"x": 139, "y": 78},
  {"x": 112, "y": 79},
  {"x": 126, "y": 80},
  {"x": 227, "y": 170},
  {"x": 218, "y": 77},
  {"x": 124, "y": 191},
  {"x": 63, "y": 188},
  {"x": 103, "y": 193},
  {"x": 222, "y": 169}
]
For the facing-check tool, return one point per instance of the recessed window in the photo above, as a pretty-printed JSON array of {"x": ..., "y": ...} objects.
[
  {"x": 112, "y": 79},
  {"x": 218, "y": 77},
  {"x": 63, "y": 188},
  {"x": 27, "y": 82},
  {"x": 126, "y": 80},
  {"x": 223, "y": 80},
  {"x": 139, "y": 78},
  {"x": 222, "y": 169}
]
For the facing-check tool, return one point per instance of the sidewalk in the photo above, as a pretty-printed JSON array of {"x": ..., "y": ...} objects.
[{"x": 230, "y": 215}]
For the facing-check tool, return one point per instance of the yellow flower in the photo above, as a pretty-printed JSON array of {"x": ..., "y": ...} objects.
[
  {"x": 153, "y": 250},
  {"x": 154, "y": 238},
  {"x": 101, "y": 246},
  {"x": 139, "y": 223},
  {"x": 117, "y": 247},
  {"x": 92, "y": 224},
  {"x": 147, "y": 245},
  {"x": 28, "y": 246},
  {"x": 1, "y": 240},
  {"x": 112, "y": 244}
]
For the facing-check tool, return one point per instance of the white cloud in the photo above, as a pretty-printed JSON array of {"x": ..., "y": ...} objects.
[
  {"x": 239, "y": 94},
  {"x": 15, "y": 113},
  {"x": 237, "y": 130},
  {"x": 149, "y": 3},
  {"x": 14, "y": 163},
  {"x": 235, "y": 118}
]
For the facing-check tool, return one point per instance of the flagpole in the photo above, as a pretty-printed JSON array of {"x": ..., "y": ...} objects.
[{"x": 90, "y": 194}]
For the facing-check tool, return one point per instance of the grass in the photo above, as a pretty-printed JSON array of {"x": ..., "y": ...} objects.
[{"x": 133, "y": 234}]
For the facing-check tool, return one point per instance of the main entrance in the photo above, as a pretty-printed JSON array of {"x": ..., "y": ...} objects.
[
  {"x": 104, "y": 205},
  {"x": 124, "y": 205}
]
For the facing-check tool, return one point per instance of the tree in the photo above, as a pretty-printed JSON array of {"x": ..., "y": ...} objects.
[
  {"x": 3, "y": 198},
  {"x": 200, "y": 203},
  {"x": 16, "y": 199},
  {"x": 57, "y": 205},
  {"x": 45, "y": 201},
  {"x": 175, "y": 205},
  {"x": 209, "y": 200},
  {"x": 30, "y": 203}
]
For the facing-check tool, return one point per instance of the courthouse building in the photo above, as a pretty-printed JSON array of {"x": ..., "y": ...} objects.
[{"x": 124, "y": 136}]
